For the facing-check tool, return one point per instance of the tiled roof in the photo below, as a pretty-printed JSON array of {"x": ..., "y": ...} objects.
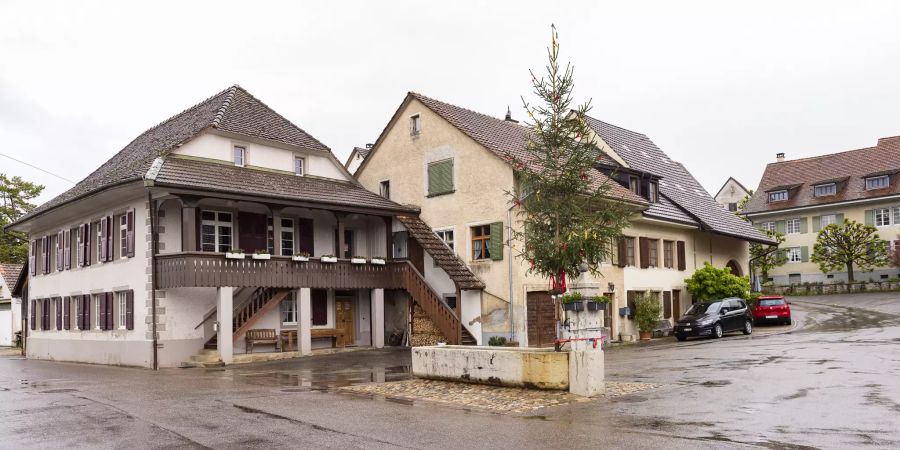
[
  {"x": 686, "y": 195},
  {"x": 10, "y": 273},
  {"x": 504, "y": 137},
  {"x": 445, "y": 258},
  {"x": 846, "y": 168},
  {"x": 362, "y": 151},
  {"x": 233, "y": 110},
  {"x": 228, "y": 178}
]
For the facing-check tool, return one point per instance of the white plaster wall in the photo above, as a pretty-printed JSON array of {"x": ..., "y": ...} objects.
[
  {"x": 471, "y": 313},
  {"x": 214, "y": 146},
  {"x": 169, "y": 226}
]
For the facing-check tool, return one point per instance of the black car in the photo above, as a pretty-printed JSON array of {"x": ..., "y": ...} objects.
[{"x": 715, "y": 319}]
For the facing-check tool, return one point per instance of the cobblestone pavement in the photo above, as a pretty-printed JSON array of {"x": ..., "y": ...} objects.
[
  {"x": 10, "y": 351},
  {"x": 497, "y": 399}
]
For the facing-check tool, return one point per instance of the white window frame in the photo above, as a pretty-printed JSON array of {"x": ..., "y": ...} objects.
[
  {"x": 792, "y": 226},
  {"x": 122, "y": 309},
  {"x": 826, "y": 189},
  {"x": 302, "y": 168},
  {"x": 415, "y": 124},
  {"x": 216, "y": 224},
  {"x": 123, "y": 236},
  {"x": 96, "y": 299},
  {"x": 778, "y": 196},
  {"x": 292, "y": 303},
  {"x": 442, "y": 235},
  {"x": 824, "y": 223},
  {"x": 242, "y": 161},
  {"x": 287, "y": 230},
  {"x": 881, "y": 181},
  {"x": 881, "y": 217},
  {"x": 100, "y": 242},
  {"x": 794, "y": 255},
  {"x": 767, "y": 226}
]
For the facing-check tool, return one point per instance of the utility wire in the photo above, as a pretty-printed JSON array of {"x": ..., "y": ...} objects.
[{"x": 38, "y": 168}]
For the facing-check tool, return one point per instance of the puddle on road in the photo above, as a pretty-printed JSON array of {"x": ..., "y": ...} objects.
[
  {"x": 308, "y": 380},
  {"x": 59, "y": 391},
  {"x": 715, "y": 383}
]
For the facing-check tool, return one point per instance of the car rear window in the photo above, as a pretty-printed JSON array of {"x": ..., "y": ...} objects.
[{"x": 771, "y": 302}]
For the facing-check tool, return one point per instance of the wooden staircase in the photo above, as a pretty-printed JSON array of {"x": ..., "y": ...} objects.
[
  {"x": 261, "y": 301},
  {"x": 443, "y": 317}
]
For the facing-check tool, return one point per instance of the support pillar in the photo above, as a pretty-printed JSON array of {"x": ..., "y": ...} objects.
[
  {"x": 276, "y": 232},
  {"x": 340, "y": 236},
  {"x": 377, "y": 304},
  {"x": 225, "y": 333},
  {"x": 304, "y": 322}
]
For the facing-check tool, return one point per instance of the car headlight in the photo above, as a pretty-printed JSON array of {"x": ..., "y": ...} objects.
[{"x": 704, "y": 322}]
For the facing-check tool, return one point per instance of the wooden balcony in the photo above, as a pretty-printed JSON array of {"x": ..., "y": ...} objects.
[{"x": 200, "y": 269}]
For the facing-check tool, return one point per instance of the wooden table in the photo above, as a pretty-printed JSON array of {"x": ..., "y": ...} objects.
[{"x": 289, "y": 340}]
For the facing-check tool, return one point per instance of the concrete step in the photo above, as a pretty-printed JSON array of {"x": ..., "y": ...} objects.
[{"x": 206, "y": 357}]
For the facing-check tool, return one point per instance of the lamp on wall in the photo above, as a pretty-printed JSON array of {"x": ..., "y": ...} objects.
[{"x": 611, "y": 287}]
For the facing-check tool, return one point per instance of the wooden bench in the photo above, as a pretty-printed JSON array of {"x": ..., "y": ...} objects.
[
  {"x": 333, "y": 333},
  {"x": 261, "y": 336}
]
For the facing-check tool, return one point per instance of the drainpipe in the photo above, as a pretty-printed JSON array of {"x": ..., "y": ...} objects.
[{"x": 153, "y": 239}]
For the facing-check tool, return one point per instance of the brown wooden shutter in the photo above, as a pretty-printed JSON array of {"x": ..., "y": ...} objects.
[
  {"x": 67, "y": 249},
  {"x": 32, "y": 263},
  {"x": 319, "y": 306},
  {"x": 58, "y": 307},
  {"x": 45, "y": 313},
  {"x": 110, "y": 311},
  {"x": 129, "y": 310},
  {"x": 87, "y": 244},
  {"x": 305, "y": 235},
  {"x": 667, "y": 305},
  {"x": 60, "y": 242},
  {"x": 33, "y": 316},
  {"x": 129, "y": 239},
  {"x": 67, "y": 313},
  {"x": 86, "y": 304},
  {"x": 104, "y": 241},
  {"x": 623, "y": 258},
  {"x": 645, "y": 253},
  {"x": 681, "y": 261}
]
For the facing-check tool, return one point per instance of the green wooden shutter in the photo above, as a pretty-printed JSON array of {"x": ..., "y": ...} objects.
[
  {"x": 497, "y": 241},
  {"x": 804, "y": 254},
  {"x": 440, "y": 177},
  {"x": 779, "y": 226},
  {"x": 870, "y": 217},
  {"x": 804, "y": 227},
  {"x": 817, "y": 223},
  {"x": 839, "y": 218}
]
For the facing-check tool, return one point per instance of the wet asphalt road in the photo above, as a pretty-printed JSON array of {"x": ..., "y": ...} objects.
[{"x": 831, "y": 381}]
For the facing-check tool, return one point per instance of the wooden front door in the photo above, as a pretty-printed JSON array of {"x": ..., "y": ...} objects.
[
  {"x": 541, "y": 319},
  {"x": 343, "y": 319}
]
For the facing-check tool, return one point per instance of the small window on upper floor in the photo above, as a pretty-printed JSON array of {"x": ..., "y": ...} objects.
[
  {"x": 821, "y": 190},
  {"x": 415, "y": 125},
  {"x": 299, "y": 166},
  {"x": 240, "y": 155},
  {"x": 653, "y": 192},
  {"x": 385, "y": 189},
  {"x": 634, "y": 183},
  {"x": 878, "y": 182},
  {"x": 778, "y": 196}
]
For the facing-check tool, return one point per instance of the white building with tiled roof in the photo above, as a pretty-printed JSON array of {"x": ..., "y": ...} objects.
[
  {"x": 10, "y": 306},
  {"x": 449, "y": 162}
]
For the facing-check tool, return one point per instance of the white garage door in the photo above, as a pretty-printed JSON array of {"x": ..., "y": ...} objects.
[{"x": 6, "y": 337}]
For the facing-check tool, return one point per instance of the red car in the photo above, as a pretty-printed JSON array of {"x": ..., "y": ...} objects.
[{"x": 772, "y": 308}]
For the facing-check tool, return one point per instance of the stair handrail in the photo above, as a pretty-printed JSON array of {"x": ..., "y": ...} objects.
[
  {"x": 212, "y": 311},
  {"x": 453, "y": 335}
]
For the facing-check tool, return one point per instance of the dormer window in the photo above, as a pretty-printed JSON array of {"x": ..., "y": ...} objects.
[
  {"x": 777, "y": 196},
  {"x": 653, "y": 192},
  {"x": 822, "y": 190},
  {"x": 878, "y": 182},
  {"x": 415, "y": 125},
  {"x": 634, "y": 183},
  {"x": 240, "y": 154}
]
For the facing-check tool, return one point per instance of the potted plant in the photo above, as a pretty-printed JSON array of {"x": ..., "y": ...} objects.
[
  {"x": 235, "y": 253},
  {"x": 261, "y": 254},
  {"x": 597, "y": 303},
  {"x": 572, "y": 301},
  {"x": 358, "y": 260},
  {"x": 300, "y": 256},
  {"x": 378, "y": 260},
  {"x": 329, "y": 259},
  {"x": 647, "y": 310}
]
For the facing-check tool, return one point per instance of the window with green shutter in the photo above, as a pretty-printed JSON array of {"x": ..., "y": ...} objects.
[
  {"x": 497, "y": 241},
  {"x": 440, "y": 177}
]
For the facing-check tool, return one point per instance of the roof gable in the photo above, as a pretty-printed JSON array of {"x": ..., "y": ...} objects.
[
  {"x": 232, "y": 110},
  {"x": 9, "y": 273},
  {"x": 731, "y": 180}
]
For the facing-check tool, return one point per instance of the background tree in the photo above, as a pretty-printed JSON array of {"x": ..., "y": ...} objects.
[
  {"x": 565, "y": 217},
  {"x": 15, "y": 201},
  {"x": 764, "y": 258},
  {"x": 847, "y": 246},
  {"x": 743, "y": 203},
  {"x": 712, "y": 283},
  {"x": 894, "y": 254}
]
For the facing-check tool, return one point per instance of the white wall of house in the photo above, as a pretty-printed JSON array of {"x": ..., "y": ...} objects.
[{"x": 117, "y": 347}]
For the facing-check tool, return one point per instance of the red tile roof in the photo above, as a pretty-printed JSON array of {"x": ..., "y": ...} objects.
[{"x": 848, "y": 169}]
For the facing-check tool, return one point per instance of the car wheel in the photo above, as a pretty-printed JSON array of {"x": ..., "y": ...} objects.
[
  {"x": 717, "y": 331},
  {"x": 748, "y": 327},
  {"x": 787, "y": 321},
  {"x": 681, "y": 338}
]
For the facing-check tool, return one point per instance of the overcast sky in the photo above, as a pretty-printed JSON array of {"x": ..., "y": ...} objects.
[{"x": 719, "y": 86}]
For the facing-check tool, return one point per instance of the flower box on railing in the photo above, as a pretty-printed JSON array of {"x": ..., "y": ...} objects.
[
  {"x": 300, "y": 258},
  {"x": 357, "y": 260},
  {"x": 262, "y": 256},
  {"x": 377, "y": 261},
  {"x": 329, "y": 259},
  {"x": 234, "y": 255}
]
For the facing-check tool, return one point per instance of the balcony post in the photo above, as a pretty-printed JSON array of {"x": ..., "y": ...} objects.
[
  {"x": 377, "y": 304},
  {"x": 340, "y": 235},
  {"x": 304, "y": 321},
  {"x": 276, "y": 230},
  {"x": 224, "y": 313}
]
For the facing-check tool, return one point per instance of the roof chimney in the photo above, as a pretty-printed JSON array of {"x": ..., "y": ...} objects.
[
  {"x": 779, "y": 157},
  {"x": 369, "y": 146},
  {"x": 509, "y": 116}
]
